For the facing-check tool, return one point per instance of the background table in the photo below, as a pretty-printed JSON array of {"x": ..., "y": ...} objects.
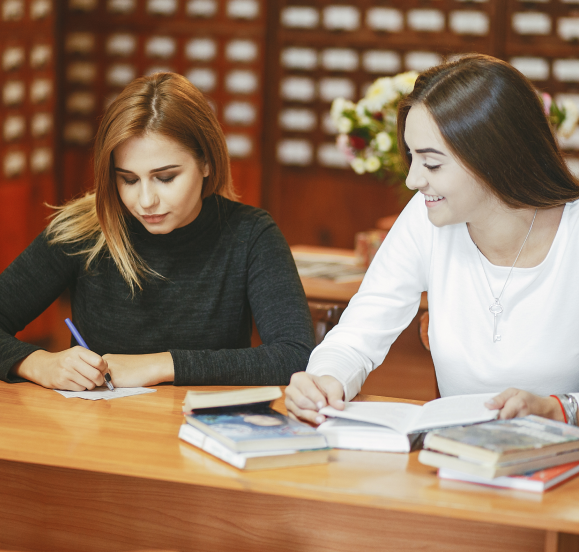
[
  {"x": 112, "y": 475},
  {"x": 324, "y": 289}
]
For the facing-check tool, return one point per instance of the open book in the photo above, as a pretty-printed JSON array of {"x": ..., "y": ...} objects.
[{"x": 410, "y": 418}]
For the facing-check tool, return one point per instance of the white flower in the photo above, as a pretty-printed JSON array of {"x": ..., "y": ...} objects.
[
  {"x": 569, "y": 124},
  {"x": 383, "y": 141},
  {"x": 372, "y": 164},
  {"x": 380, "y": 93},
  {"x": 364, "y": 120},
  {"x": 344, "y": 125},
  {"x": 361, "y": 108},
  {"x": 404, "y": 82},
  {"x": 339, "y": 105},
  {"x": 358, "y": 165}
]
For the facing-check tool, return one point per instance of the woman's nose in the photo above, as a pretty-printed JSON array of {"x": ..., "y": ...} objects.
[
  {"x": 415, "y": 179},
  {"x": 148, "y": 196}
]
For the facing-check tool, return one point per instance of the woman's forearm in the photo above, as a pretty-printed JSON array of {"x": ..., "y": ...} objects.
[{"x": 140, "y": 370}]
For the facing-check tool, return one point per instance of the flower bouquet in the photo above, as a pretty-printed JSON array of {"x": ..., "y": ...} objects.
[
  {"x": 563, "y": 118},
  {"x": 367, "y": 130}
]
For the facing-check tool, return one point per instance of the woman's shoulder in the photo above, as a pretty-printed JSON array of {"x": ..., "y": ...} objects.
[{"x": 243, "y": 215}]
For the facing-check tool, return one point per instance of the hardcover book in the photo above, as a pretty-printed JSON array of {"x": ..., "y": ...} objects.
[
  {"x": 252, "y": 460},
  {"x": 491, "y": 471},
  {"x": 255, "y": 428},
  {"x": 536, "y": 481},
  {"x": 503, "y": 441},
  {"x": 212, "y": 399}
]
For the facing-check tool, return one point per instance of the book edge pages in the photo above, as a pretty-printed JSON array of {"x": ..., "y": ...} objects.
[
  {"x": 489, "y": 471},
  {"x": 252, "y": 460}
]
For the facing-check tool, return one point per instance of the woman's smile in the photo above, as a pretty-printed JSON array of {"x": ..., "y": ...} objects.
[{"x": 431, "y": 200}]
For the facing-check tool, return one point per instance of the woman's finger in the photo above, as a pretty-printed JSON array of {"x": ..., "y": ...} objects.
[
  {"x": 92, "y": 359},
  {"x": 332, "y": 389},
  {"x": 312, "y": 416},
  {"x": 515, "y": 407},
  {"x": 305, "y": 393},
  {"x": 498, "y": 402}
]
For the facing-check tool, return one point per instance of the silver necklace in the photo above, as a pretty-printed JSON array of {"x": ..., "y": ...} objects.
[{"x": 496, "y": 308}]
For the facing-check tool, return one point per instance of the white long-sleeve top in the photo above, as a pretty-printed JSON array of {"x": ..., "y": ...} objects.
[{"x": 539, "y": 327}]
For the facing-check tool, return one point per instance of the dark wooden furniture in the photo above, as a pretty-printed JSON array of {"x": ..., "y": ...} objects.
[{"x": 324, "y": 316}]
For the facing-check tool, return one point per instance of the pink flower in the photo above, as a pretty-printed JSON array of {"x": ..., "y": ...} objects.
[
  {"x": 547, "y": 101},
  {"x": 343, "y": 145}
]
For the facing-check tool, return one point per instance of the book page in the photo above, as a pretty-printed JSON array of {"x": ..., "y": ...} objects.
[
  {"x": 398, "y": 416},
  {"x": 456, "y": 410}
]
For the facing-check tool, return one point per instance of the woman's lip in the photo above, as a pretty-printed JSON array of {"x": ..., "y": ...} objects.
[{"x": 153, "y": 219}]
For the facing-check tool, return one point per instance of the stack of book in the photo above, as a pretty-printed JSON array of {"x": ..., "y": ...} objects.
[
  {"x": 501, "y": 448},
  {"x": 240, "y": 428},
  {"x": 536, "y": 481}
]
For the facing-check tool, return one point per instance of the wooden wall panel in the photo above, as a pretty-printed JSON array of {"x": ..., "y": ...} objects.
[
  {"x": 107, "y": 44},
  {"x": 28, "y": 157},
  {"x": 409, "y": 34}
]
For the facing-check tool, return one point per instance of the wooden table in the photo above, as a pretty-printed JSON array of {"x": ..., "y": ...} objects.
[
  {"x": 88, "y": 476},
  {"x": 323, "y": 289}
]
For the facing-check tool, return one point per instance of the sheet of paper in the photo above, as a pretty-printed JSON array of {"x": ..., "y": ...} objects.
[{"x": 105, "y": 393}]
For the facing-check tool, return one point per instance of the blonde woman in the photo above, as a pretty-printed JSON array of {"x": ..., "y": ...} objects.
[{"x": 165, "y": 269}]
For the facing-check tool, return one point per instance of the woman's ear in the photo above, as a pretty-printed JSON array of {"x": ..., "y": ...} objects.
[{"x": 206, "y": 170}]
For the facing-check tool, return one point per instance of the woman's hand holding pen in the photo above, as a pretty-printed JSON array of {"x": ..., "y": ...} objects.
[
  {"x": 73, "y": 369},
  {"x": 306, "y": 394}
]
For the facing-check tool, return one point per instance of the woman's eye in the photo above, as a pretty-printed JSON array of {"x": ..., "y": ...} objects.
[
  {"x": 431, "y": 167},
  {"x": 130, "y": 181},
  {"x": 168, "y": 179}
]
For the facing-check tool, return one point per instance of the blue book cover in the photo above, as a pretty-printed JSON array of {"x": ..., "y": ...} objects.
[{"x": 255, "y": 428}]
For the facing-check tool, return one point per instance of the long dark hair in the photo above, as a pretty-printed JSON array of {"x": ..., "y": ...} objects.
[{"x": 491, "y": 117}]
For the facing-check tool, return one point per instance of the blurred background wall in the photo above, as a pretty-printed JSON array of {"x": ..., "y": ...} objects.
[{"x": 270, "y": 69}]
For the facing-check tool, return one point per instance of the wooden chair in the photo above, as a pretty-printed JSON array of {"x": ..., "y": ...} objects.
[
  {"x": 423, "y": 330},
  {"x": 325, "y": 316}
]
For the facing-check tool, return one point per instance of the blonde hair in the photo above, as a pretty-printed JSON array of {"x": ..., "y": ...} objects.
[{"x": 165, "y": 103}]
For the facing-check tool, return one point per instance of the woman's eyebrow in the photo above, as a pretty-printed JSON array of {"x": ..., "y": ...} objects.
[
  {"x": 118, "y": 169},
  {"x": 165, "y": 168},
  {"x": 430, "y": 150}
]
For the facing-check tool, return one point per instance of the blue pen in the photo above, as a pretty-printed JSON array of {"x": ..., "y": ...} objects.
[{"x": 82, "y": 343}]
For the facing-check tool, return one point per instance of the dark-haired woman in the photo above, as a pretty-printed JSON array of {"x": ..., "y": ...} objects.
[
  {"x": 492, "y": 235},
  {"x": 165, "y": 269}
]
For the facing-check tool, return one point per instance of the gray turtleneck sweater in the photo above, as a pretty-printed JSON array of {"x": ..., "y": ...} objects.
[{"x": 230, "y": 263}]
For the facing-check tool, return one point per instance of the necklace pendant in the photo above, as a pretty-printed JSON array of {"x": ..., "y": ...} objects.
[{"x": 496, "y": 308}]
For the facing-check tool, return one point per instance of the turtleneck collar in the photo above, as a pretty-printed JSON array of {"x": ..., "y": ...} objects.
[{"x": 207, "y": 214}]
